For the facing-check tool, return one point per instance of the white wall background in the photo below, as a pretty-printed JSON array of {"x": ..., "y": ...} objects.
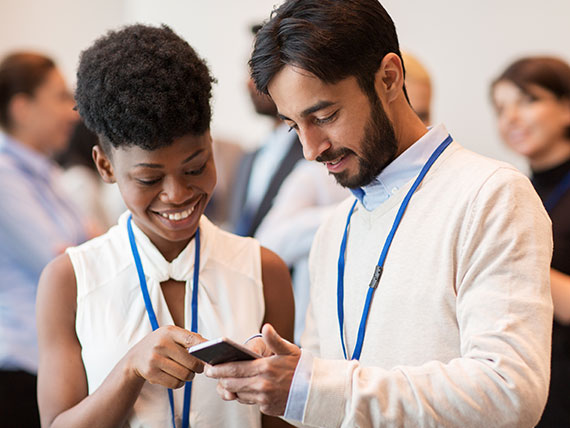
[
  {"x": 464, "y": 44},
  {"x": 58, "y": 28}
]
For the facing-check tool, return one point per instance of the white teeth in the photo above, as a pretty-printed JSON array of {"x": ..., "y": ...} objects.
[
  {"x": 179, "y": 215},
  {"x": 335, "y": 161}
]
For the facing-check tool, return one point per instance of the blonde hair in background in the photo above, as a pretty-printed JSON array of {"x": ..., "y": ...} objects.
[{"x": 418, "y": 86}]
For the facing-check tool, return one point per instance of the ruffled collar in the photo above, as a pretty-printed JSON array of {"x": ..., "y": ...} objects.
[{"x": 156, "y": 266}]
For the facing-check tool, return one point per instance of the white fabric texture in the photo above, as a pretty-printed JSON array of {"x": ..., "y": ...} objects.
[
  {"x": 398, "y": 173},
  {"x": 111, "y": 316},
  {"x": 459, "y": 329}
]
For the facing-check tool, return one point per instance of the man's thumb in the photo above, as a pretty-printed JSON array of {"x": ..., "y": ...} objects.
[{"x": 276, "y": 343}]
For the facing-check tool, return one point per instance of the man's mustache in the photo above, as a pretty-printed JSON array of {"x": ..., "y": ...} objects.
[{"x": 329, "y": 155}]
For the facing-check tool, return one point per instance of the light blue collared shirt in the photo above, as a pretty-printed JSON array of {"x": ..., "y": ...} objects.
[
  {"x": 37, "y": 222},
  {"x": 398, "y": 173},
  {"x": 401, "y": 170}
]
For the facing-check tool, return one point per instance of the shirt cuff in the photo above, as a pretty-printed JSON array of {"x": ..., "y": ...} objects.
[{"x": 299, "y": 391}]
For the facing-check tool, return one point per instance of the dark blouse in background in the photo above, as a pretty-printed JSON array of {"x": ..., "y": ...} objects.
[{"x": 557, "y": 412}]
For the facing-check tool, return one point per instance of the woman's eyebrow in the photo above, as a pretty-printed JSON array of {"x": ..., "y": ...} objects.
[{"x": 158, "y": 165}]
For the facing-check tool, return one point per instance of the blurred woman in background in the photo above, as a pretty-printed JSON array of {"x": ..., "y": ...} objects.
[
  {"x": 37, "y": 219},
  {"x": 532, "y": 102}
]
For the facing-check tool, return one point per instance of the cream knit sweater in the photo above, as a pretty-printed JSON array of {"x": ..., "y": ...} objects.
[{"x": 460, "y": 326}]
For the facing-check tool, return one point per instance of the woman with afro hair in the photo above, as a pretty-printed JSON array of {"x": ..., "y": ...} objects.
[{"x": 117, "y": 314}]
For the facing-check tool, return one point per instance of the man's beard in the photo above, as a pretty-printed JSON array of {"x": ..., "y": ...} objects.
[{"x": 379, "y": 148}]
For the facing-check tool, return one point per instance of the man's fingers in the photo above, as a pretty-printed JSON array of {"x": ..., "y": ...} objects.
[
  {"x": 225, "y": 394},
  {"x": 236, "y": 369},
  {"x": 238, "y": 385},
  {"x": 258, "y": 346},
  {"x": 276, "y": 343},
  {"x": 247, "y": 399}
]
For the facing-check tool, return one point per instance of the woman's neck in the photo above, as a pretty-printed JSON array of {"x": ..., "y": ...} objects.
[
  {"x": 172, "y": 250},
  {"x": 558, "y": 154}
]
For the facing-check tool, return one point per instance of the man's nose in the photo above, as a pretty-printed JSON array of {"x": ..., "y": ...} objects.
[{"x": 314, "y": 142}]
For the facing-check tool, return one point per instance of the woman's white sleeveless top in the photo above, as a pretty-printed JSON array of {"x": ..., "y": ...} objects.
[{"x": 111, "y": 316}]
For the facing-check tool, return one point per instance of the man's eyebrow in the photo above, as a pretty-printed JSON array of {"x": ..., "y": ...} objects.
[
  {"x": 314, "y": 108},
  {"x": 157, "y": 165},
  {"x": 282, "y": 117},
  {"x": 310, "y": 110}
]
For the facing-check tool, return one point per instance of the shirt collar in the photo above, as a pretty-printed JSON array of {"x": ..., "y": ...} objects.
[
  {"x": 401, "y": 170},
  {"x": 33, "y": 162}
]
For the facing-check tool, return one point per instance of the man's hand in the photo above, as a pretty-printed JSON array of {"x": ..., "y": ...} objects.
[{"x": 265, "y": 381}]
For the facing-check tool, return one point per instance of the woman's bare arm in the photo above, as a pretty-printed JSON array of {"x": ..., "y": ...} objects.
[{"x": 63, "y": 398}]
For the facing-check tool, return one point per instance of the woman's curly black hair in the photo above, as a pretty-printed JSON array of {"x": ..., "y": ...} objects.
[{"x": 143, "y": 86}]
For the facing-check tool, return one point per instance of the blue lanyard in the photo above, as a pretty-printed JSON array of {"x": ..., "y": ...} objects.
[
  {"x": 380, "y": 266},
  {"x": 559, "y": 191},
  {"x": 152, "y": 316}
]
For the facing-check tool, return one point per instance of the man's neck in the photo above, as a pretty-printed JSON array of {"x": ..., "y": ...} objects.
[
  {"x": 26, "y": 140},
  {"x": 408, "y": 128}
]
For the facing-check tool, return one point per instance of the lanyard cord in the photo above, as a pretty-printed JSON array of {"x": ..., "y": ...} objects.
[
  {"x": 380, "y": 266},
  {"x": 152, "y": 316}
]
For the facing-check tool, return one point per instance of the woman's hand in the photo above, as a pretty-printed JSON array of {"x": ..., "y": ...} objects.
[{"x": 162, "y": 357}]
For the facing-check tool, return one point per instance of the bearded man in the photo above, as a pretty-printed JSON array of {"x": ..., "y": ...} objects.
[{"x": 430, "y": 299}]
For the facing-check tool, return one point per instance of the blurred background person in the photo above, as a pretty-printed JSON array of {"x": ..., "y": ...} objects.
[
  {"x": 532, "y": 102},
  {"x": 100, "y": 203},
  {"x": 37, "y": 219},
  {"x": 227, "y": 157},
  {"x": 281, "y": 199},
  {"x": 418, "y": 86},
  {"x": 261, "y": 172}
]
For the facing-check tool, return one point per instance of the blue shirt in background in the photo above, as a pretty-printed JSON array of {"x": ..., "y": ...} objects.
[{"x": 37, "y": 222}]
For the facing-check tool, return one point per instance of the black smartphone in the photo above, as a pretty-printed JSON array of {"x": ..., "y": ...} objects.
[{"x": 222, "y": 350}]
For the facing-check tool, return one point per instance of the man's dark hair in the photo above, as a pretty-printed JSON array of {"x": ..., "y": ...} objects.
[
  {"x": 549, "y": 73},
  {"x": 332, "y": 39},
  {"x": 143, "y": 86},
  {"x": 21, "y": 73}
]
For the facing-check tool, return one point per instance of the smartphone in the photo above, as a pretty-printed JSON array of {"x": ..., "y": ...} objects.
[{"x": 222, "y": 350}]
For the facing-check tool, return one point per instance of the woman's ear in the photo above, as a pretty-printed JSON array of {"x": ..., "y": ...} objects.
[
  {"x": 389, "y": 79},
  {"x": 103, "y": 164}
]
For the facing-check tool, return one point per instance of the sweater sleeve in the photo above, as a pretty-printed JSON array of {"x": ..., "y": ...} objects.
[{"x": 504, "y": 318}]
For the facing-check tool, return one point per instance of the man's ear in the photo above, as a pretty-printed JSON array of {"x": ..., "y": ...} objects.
[
  {"x": 18, "y": 109},
  {"x": 389, "y": 79},
  {"x": 103, "y": 164}
]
